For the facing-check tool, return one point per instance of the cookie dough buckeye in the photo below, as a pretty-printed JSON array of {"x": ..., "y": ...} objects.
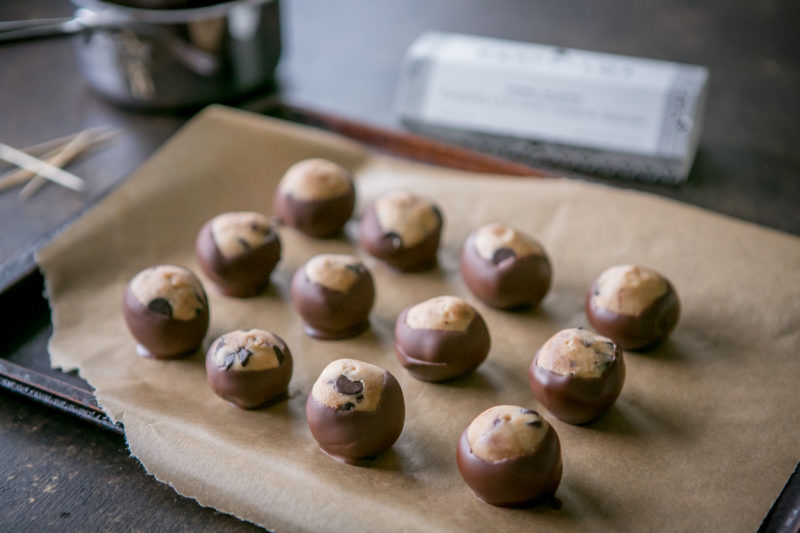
[
  {"x": 510, "y": 456},
  {"x": 634, "y": 305},
  {"x": 238, "y": 251},
  {"x": 316, "y": 196},
  {"x": 441, "y": 338},
  {"x": 355, "y": 410},
  {"x": 403, "y": 230},
  {"x": 249, "y": 367},
  {"x": 577, "y": 375},
  {"x": 166, "y": 311},
  {"x": 505, "y": 268},
  {"x": 334, "y": 295}
]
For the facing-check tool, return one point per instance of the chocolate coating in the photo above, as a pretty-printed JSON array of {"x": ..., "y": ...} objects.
[
  {"x": 577, "y": 399},
  {"x": 332, "y": 314},
  {"x": 246, "y": 274},
  {"x": 388, "y": 246},
  {"x": 642, "y": 330},
  {"x": 506, "y": 281},
  {"x": 437, "y": 354},
  {"x": 249, "y": 388},
  {"x": 158, "y": 332},
  {"x": 520, "y": 481},
  {"x": 318, "y": 217},
  {"x": 350, "y": 434}
]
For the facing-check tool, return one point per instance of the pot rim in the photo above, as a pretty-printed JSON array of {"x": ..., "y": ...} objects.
[{"x": 166, "y": 16}]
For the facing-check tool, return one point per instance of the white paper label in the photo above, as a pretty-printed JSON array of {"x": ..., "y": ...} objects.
[{"x": 576, "y": 97}]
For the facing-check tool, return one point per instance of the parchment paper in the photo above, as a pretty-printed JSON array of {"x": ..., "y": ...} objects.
[{"x": 703, "y": 436}]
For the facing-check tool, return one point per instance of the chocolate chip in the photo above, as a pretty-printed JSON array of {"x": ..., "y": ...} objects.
[
  {"x": 501, "y": 254},
  {"x": 278, "y": 354},
  {"x": 359, "y": 397},
  {"x": 534, "y": 423},
  {"x": 345, "y": 386},
  {"x": 349, "y": 406},
  {"x": 243, "y": 354},
  {"x": 260, "y": 228},
  {"x": 357, "y": 268},
  {"x": 396, "y": 240},
  {"x": 228, "y": 362},
  {"x": 587, "y": 343},
  {"x": 244, "y": 243},
  {"x": 496, "y": 422},
  {"x": 528, "y": 412},
  {"x": 605, "y": 355},
  {"x": 160, "y": 306},
  {"x": 220, "y": 343}
]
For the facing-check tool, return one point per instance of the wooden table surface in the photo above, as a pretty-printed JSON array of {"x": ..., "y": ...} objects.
[{"x": 343, "y": 57}]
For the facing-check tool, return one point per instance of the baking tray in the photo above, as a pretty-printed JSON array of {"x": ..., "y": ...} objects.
[{"x": 24, "y": 363}]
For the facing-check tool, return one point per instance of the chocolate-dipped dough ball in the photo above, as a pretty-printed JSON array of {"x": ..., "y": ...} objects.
[
  {"x": 510, "y": 456},
  {"x": 166, "y": 310},
  {"x": 334, "y": 295},
  {"x": 238, "y": 251},
  {"x": 441, "y": 338},
  {"x": 355, "y": 410},
  {"x": 504, "y": 267},
  {"x": 577, "y": 375},
  {"x": 249, "y": 367},
  {"x": 635, "y": 306},
  {"x": 402, "y": 230},
  {"x": 316, "y": 196}
]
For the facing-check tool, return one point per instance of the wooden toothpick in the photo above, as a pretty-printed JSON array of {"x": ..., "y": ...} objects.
[{"x": 55, "y": 174}]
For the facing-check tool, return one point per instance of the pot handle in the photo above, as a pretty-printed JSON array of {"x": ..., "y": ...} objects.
[{"x": 21, "y": 30}]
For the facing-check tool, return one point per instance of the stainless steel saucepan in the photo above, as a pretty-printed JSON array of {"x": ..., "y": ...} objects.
[{"x": 168, "y": 58}]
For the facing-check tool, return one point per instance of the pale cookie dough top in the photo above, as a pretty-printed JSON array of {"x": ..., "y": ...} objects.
[
  {"x": 247, "y": 350},
  {"x": 506, "y": 432},
  {"x": 445, "y": 313},
  {"x": 628, "y": 289},
  {"x": 236, "y": 233},
  {"x": 349, "y": 385},
  {"x": 493, "y": 237},
  {"x": 412, "y": 218},
  {"x": 315, "y": 179},
  {"x": 169, "y": 290},
  {"x": 336, "y": 272},
  {"x": 576, "y": 352}
]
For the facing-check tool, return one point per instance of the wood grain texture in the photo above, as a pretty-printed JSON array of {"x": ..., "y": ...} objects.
[{"x": 61, "y": 474}]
